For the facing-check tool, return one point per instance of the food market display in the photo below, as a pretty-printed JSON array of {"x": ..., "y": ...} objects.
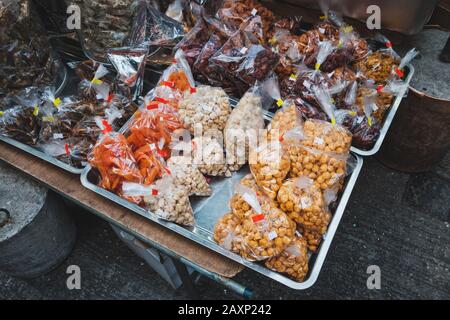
[
  {"x": 245, "y": 91},
  {"x": 26, "y": 57}
]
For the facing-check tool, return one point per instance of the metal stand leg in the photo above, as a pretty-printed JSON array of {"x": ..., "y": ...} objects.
[{"x": 188, "y": 282}]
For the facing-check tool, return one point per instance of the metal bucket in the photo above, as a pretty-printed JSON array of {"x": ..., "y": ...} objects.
[{"x": 420, "y": 134}]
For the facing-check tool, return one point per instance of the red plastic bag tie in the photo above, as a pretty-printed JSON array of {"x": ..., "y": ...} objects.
[{"x": 258, "y": 218}]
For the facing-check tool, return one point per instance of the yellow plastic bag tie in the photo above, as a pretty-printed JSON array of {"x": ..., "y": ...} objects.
[
  {"x": 333, "y": 121},
  {"x": 293, "y": 77},
  {"x": 96, "y": 81},
  {"x": 280, "y": 103},
  {"x": 2, "y": 113},
  {"x": 352, "y": 113},
  {"x": 370, "y": 121},
  {"x": 57, "y": 102},
  {"x": 36, "y": 111},
  {"x": 272, "y": 41},
  {"x": 318, "y": 65}
]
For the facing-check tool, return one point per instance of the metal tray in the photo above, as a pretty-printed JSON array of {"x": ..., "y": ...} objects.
[
  {"x": 208, "y": 210},
  {"x": 389, "y": 118}
]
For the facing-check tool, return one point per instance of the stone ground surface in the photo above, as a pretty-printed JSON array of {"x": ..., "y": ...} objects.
[{"x": 397, "y": 221}]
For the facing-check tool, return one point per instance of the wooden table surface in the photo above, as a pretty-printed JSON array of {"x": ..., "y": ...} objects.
[{"x": 70, "y": 187}]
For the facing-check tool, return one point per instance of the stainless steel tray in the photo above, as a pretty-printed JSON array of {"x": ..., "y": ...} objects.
[
  {"x": 389, "y": 118},
  {"x": 210, "y": 209}
]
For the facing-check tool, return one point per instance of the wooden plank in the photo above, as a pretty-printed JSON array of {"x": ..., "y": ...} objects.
[{"x": 69, "y": 185}]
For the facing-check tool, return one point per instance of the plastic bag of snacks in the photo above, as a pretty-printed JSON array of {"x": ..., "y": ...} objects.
[
  {"x": 246, "y": 121},
  {"x": 285, "y": 119},
  {"x": 95, "y": 88},
  {"x": 312, "y": 237},
  {"x": 115, "y": 162},
  {"x": 20, "y": 123},
  {"x": 150, "y": 165},
  {"x": 293, "y": 261},
  {"x": 243, "y": 203},
  {"x": 244, "y": 56},
  {"x": 106, "y": 24},
  {"x": 155, "y": 126},
  {"x": 161, "y": 30},
  {"x": 209, "y": 154},
  {"x": 304, "y": 203},
  {"x": 207, "y": 106},
  {"x": 61, "y": 124},
  {"x": 26, "y": 57},
  {"x": 186, "y": 174},
  {"x": 313, "y": 152},
  {"x": 235, "y": 12},
  {"x": 165, "y": 199},
  {"x": 265, "y": 235},
  {"x": 176, "y": 80},
  {"x": 219, "y": 33},
  {"x": 129, "y": 64},
  {"x": 270, "y": 165},
  {"x": 226, "y": 230},
  {"x": 194, "y": 41}
]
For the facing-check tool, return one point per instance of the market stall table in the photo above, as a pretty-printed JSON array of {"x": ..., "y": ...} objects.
[{"x": 201, "y": 259}]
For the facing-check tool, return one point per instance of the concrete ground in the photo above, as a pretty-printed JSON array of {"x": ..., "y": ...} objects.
[{"x": 396, "y": 221}]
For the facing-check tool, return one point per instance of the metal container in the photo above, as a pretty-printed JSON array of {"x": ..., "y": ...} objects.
[
  {"x": 388, "y": 120},
  {"x": 210, "y": 209},
  {"x": 404, "y": 16},
  {"x": 420, "y": 135}
]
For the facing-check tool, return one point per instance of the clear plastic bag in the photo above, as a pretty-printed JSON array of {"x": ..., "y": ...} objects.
[
  {"x": 129, "y": 64},
  {"x": 207, "y": 107},
  {"x": 304, "y": 203},
  {"x": 155, "y": 126},
  {"x": 165, "y": 199},
  {"x": 209, "y": 154},
  {"x": 26, "y": 57},
  {"x": 225, "y": 232},
  {"x": 115, "y": 162},
  {"x": 293, "y": 261},
  {"x": 236, "y": 12},
  {"x": 270, "y": 165},
  {"x": 244, "y": 56},
  {"x": 21, "y": 124},
  {"x": 176, "y": 80},
  {"x": 106, "y": 24},
  {"x": 189, "y": 176},
  {"x": 266, "y": 235},
  {"x": 161, "y": 30},
  {"x": 246, "y": 121},
  {"x": 194, "y": 41},
  {"x": 249, "y": 199}
]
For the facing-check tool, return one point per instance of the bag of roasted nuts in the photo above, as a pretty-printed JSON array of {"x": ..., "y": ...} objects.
[
  {"x": 249, "y": 199},
  {"x": 166, "y": 200},
  {"x": 270, "y": 165},
  {"x": 265, "y": 235},
  {"x": 209, "y": 154},
  {"x": 225, "y": 232},
  {"x": 186, "y": 174},
  {"x": 293, "y": 261},
  {"x": 304, "y": 203},
  {"x": 245, "y": 125},
  {"x": 207, "y": 107}
]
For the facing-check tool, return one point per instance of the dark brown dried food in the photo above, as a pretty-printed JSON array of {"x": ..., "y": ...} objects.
[{"x": 20, "y": 123}]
